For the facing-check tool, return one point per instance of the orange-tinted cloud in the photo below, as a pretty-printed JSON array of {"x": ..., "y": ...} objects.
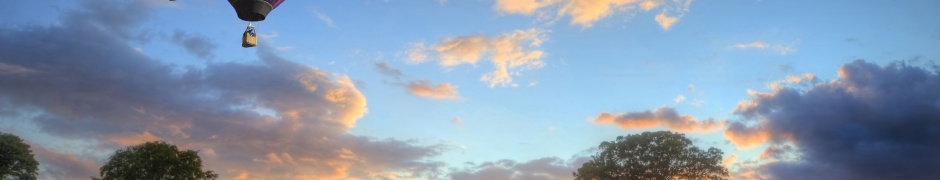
[
  {"x": 424, "y": 88},
  {"x": 455, "y": 51},
  {"x": 745, "y": 137},
  {"x": 586, "y": 12},
  {"x": 526, "y": 7},
  {"x": 661, "y": 117},
  {"x": 133, "y": 139},
  {"x": 58, "y": 165},
  {"x": 755, "y": 44},
  {"x": 510, "y": 54},
  {"x": 728, "y": 161},
  {"x": 666, "y": 21}
]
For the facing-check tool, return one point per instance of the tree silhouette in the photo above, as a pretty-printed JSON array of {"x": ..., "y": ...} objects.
[
  {"x": 16, "y": 159},
  {"x": 658, "y": 155},
  {"x": 157, "y": 161}
]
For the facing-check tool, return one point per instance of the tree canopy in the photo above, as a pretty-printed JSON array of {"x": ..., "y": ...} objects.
[
  {"x": 658, "y": 155},
  {"x": 16, "y": 159},
  {"x": 155, "y": 160}
]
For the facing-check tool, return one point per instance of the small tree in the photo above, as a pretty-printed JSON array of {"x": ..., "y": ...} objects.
[
  {"x": 16, "y": 159},
  {"x": 155, "y": 160},
  {"x": 652, "y": 155}
]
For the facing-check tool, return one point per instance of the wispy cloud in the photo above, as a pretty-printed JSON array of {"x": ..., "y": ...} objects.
[
  {"x": 14, "y": 69},
  {"x": 679, "y": 99},
  {"x": 782, "y": 49},
  {"x": 510, "y": 54},
  {"x": 424, "y": 88},
  {"x": 417, "y": 53},
  {"x": 666, "y": 117},
  {"x": 586, "y": 12},
  {"x": 323, "y": 17},
  {"x": 388, "y": 70},
  {"x": 728, "y": 161},
  {"x": 457, "y": 120},
  {"x": 525, "y": 7},
  {"x": 196, "y": 44},
  {"x": 420, "y": 88}
]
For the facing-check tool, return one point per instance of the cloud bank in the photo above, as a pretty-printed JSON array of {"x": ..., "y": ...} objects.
[
  {"x": 271, "y": 119},
  {"x": 873, "y": 122},
  {"x": 548, "y": 168}
]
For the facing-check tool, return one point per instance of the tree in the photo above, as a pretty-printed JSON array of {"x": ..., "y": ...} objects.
[
  {"x": 653, "y": 155},
  {"x": 154, "y": 160},
  {"x": 16, "y": 159}
]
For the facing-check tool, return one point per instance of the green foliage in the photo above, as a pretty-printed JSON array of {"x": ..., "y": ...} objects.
[
  {"x": 653, "y": 155},
  {"x": 16, "y": 159},
  {"x": 155, "y": 160}
]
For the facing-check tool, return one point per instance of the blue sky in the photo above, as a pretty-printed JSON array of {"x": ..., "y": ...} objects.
[{"x": 444, "y": 82}]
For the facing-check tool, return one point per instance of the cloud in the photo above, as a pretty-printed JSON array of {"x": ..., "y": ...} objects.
[
  {"x": 62, "y": 166},
  {"x": 133, "y": 139},
  {"x": 776, "y": 152},
  {"x": 323, "y": 17},
  {"x": 679, "y": 99},
  {"x": 548, "y": 168},
  {"x": 525, "y": 7},
  {"x": 782, "y": 49},
  {"x": 731, "y": 159},
  {"x": 872, "y": 122},
  {"x": 388, "y": 70},
  {"x": 457, "y": 120},
  {"x": 420, "y": 88},
  {"x": 662, "y": 117},
  {"x": 510, "y": 54},
  {"x": 807, "y": 79},
  {"x": 665, "y": 21},
  {"x": 586, "y": 12},
  {"x": 14, "y": 69},
  {"x": 745, "y": 137},
  {"x": 293, "y": 117},
  {"x": 417, "y": 53},
  {"x": 455, "y": 51},
  {"x": 755, "y": 44},
  {"x": 195, "y": 44},
  {"x": 424, "y": 88}
]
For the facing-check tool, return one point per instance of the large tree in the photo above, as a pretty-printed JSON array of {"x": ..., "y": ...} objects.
[
  {"x": 155, "y": 161},
  {"x": 16, "y": 159},
  {"x": 653, "y": 155}
]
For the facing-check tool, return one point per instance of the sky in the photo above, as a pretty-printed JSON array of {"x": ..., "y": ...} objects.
[{"x": 476, "y": 89}]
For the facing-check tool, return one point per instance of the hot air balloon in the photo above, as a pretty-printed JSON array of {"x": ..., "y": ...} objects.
[{"x": 253, "y": 10}]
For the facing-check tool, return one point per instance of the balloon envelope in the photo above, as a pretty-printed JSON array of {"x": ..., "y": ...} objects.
[
  {"x": 274, "y": 3},
  {"x": 254, "y": 10}
]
